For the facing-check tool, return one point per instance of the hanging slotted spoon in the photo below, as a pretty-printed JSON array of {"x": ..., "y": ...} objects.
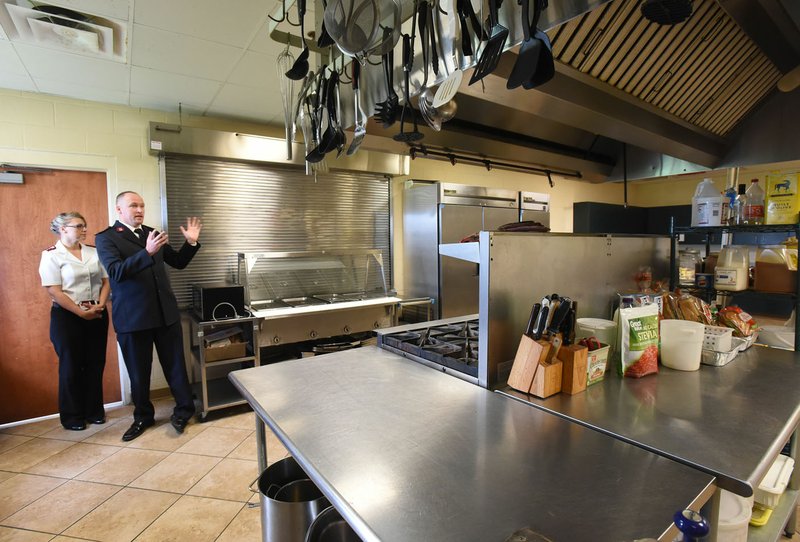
[{"x": 284, "y": 62}]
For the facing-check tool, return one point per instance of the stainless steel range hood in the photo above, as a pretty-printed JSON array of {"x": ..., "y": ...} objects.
[{"x": 673, "y": 94}]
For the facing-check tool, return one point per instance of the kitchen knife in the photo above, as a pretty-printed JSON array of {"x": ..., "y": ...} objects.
[
  {"x": 554, "y": 304},
  {"x": 559, "y": 314},
  {"x": 541, "y": 320},
  {"x": 568, "y": 327},
  {"x": 532, "y": 320}
]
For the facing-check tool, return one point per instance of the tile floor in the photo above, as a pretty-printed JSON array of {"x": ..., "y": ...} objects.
[{"x": 89, "y": 485}]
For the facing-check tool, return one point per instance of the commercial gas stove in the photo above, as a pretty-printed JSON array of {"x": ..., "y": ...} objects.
[{"x": 450, "y": 345}]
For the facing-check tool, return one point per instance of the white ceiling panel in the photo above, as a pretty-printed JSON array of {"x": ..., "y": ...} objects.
[
  {"x": 166, "y": 103},
  {"x": 262, "y": 43},
  {"x": 73, "y": 69},
  {"x": 210, "y": 20},
  {"x": 180, "y": 88},
  {"x": 255, "y": 70},
  {"x": 82, "y": 92},
  {"x": 175, "y": 53},
  {"x": 3, "y": 35},
  {"x": 16, "y": 81},
  {"x": 118, "y": 9},
  {"x": 246, "y": 103},
  {"x": 10, "y": 61}
]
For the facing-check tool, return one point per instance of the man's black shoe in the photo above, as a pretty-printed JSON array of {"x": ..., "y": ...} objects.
[
  {"x": 178, "y": 423},
  {"x": 97, "y": 421},
  {"x": 136, "y": 429},
  {"x": 75, "y": 427}
]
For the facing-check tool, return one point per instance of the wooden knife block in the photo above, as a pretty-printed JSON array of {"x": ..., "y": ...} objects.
[
  {"x": 575, "y": 359},
  {"x": 526, "y": 362},
  {"x": 547, "y": 380}
]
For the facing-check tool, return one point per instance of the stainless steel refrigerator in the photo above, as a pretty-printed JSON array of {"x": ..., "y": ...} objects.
[
  {"x": 435, "y": 213},
  {"x": 534, "y": 206}
]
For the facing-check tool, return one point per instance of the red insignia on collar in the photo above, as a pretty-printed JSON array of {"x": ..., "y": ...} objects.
[{"x": 120, "y": 229}]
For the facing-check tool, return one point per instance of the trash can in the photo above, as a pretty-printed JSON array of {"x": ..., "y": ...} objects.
[
  {"x": 329, "y": 526},
  {"x": 289, "y": 502}
]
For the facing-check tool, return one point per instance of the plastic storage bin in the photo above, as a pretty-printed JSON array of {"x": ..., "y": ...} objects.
[
  {"x": 734, "y": 517},
  {"x": 681, "y": 344},
  {"x": 773, "y": 485}
]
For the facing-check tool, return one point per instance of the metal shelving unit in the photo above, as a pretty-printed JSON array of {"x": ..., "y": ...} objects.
[
  {"x": 218, "y": 393},
  {"x": 782, "y": 521},
  {"x": 708, "y": 231}
]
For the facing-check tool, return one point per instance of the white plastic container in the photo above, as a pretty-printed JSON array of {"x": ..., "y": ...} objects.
[
  {"x": 604, "y": 330},
  {"x": 732, "y": 272},
  {"x": 707, "y": 205},
  {"x": 681, "y": 344},
  {"x": 734, "y": 517},
  {"x": 769, "y": 491}
]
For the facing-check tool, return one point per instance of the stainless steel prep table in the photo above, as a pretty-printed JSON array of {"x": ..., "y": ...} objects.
[
  {"x": 730, "y": 421},
  {"x": 408, "y": 453}
]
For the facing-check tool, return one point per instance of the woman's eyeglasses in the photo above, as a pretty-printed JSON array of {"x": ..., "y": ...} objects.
[{"x": 78, "y": 226}]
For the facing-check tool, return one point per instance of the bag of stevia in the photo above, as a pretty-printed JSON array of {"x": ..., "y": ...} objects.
[{"x": 638, "y": 340}]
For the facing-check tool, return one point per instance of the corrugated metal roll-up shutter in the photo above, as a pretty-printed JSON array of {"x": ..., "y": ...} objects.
[{"x": 263, "y": 207}]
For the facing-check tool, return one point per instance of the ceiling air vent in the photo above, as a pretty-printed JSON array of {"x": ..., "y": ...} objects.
[{"x": 57, "y": 27}]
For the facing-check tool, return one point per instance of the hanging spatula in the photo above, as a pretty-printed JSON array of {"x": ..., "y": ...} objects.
[
  {"x": 528, "y": 56},
  {"x": 490, "y": 55}
]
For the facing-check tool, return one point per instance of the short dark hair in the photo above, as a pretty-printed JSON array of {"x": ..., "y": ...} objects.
[{"x": 123, "y": 193}]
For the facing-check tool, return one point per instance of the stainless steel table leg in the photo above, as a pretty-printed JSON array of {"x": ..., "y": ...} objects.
[
  {"x": 261, "y": 444},
  {"x": 711, "y": 512}
]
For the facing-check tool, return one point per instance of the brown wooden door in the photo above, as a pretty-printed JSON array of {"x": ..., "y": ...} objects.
[{"x": 28, "y": 364}]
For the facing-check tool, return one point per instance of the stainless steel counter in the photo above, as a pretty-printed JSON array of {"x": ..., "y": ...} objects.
[
  {"x": 729, "y": 421},
  {"x": 408, "y": 453}
]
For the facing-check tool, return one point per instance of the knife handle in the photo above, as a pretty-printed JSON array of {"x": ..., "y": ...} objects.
[
  {"x": 532, "y": 320},
  {"x": 541, "y": 320}
]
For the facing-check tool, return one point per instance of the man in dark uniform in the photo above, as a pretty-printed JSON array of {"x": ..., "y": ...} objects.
[{"x": 144, "y": 308}]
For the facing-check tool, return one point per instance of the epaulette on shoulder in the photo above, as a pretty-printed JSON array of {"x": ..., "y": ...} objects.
[{"x": 48, "y": 249}]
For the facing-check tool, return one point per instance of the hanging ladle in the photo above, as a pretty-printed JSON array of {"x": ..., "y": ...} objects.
[{"x": 300, "y": 67}]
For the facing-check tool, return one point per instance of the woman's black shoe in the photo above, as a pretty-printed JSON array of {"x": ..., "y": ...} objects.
[{"x": 97, "y": 421}]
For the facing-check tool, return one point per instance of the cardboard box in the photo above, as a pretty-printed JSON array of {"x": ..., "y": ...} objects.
[
  {"x": 775, "y": 277},
  {"x": 782, "y": 200},
  {"x": 226, "y": 343},
  {"x": 229, "y": 351},
  {"x": 596, "y": 363}
]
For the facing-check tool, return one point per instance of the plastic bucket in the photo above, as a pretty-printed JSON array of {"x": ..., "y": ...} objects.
[
  {"x": 604, "y": 330},
  {"x": 289, "y": 502},
  {"x": 330, "y": 527},
  {"x": 681, "y": 344}
]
